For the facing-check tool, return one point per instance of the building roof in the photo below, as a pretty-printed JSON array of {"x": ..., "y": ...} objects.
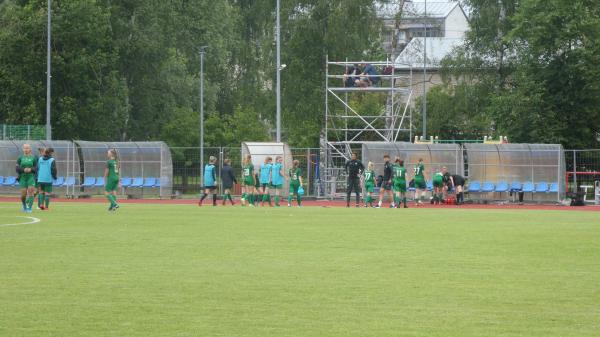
[
  {"x": 437, "y": 49},
  {"x": 411, "y": 10}
]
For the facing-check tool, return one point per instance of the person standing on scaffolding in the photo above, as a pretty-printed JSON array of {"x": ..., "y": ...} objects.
[{"x": 354, "y": 169}]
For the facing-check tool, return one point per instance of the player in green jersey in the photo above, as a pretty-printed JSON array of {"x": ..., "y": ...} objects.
[
  {"x": 420, "y": 185},
  {"x": 399, "y": 182},
  {"x": 111, "y": 179},
  {"x": 295, "y": 176},
  {"x": 247, "y": 182},
  {"x": 26, "y": 170},
  {"x": 438, "y": 186},
  {"x": 369, "y": 184}
]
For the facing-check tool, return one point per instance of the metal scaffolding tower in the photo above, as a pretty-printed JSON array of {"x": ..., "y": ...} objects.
[{"x": 346, "y": 126}]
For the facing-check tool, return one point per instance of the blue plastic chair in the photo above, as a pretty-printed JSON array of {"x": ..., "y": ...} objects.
[
  {"x": 429, "y": 185},
  {"x": 516, "y": 186},
  {"x": 70, "y": 181},
  {"x": 99, "y": 182},
  {"x": 126, "y": 182},
  {"x": 149, "y": 182},
  {"x": 1, "y": 180},
  {"x": 157, "y": 182},
  {"x": 137, "y": 182},
  {"x": 474, "y": 186},
  {"x": 58, "y": 182},
  {"x": 10, "y": 181},
  {"x": 502, "y": 187},
  {"x": 488, "y": 186},
  {"x": 89, "y": 182},
  {"x": 553, "y": 188},
  {"x": 528, "y": 187},
  {"x": 541, "y": 187}
]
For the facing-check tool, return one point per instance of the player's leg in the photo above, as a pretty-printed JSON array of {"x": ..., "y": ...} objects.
[
  {"x": 357, "y": 190},
  {"x": 24, "y": 199},
  {"x": 349, "y": 185},
  {"x": 277, "y": 190},
  {"x": 40, "y": 196},
  {"x": 204, "y": 195},
  {"x": 47, "y": 190}
]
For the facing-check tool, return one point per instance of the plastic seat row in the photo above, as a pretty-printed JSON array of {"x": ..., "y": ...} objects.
[
  {"x": 125, "y": 182},
  {"x": 515, "y": 186},
  {"x": 59, "y": 182}
]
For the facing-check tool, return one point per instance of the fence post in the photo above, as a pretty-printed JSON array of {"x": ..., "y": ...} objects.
[
  {"x": 575, "y": 171},
  {"x": 307, "y": 171},
  {"x": 221, "y": 169}
]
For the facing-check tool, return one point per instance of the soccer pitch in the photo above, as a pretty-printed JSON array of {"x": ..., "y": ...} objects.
[{"x": 181, "y": 270}]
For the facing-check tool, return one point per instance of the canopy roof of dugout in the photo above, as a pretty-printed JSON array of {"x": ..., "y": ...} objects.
[{"x": 65, "y": 153}]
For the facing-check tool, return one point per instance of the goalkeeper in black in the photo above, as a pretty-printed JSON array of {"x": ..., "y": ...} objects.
[{"x": 354, "y": 169}]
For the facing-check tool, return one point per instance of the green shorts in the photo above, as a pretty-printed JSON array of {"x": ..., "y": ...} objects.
[
  {"x": 438, "y": 183},
  {"x": 27, "y": 180},
  {"x": 267, "y": 185},
  {"x": 369, "y": 187},
  {"x": 45, "y": 187},
  {"x": 249, "y": 181},
  {"x": 400, "y": 186},
  {"x": 294, "y": 188},
  {"x": 277, "y": 187},
  {"x": 111, "y": 185},
  {"x": 420, "y": 184}
]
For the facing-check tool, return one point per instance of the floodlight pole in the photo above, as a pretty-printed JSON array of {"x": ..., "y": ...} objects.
[
  {"x": 48, "y": 73},
  {"x": 278, "y": 88},
  {"x": 202, "y": 52},
  {"x": 425, "y": 71}
]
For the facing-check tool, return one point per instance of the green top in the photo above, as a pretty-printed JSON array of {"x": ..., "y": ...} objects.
[
  {"x": 399, "y": 172},
  {"x": 369, "y": 176},
  {"x": 26, "y": 162},
  {"x": 419, "y": 168},
  {"x": 113, "y": 169},
  {"x": 248, "y": 171},
  {"x": 295, "y": 175}
]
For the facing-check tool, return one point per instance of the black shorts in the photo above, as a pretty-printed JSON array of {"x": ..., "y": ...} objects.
[
  {"x": 227, "y": 187},
  {"x": 212, "y": 188},
  {"x": 459, "y": 181},
  {"x": 386, "y": 185},
  {"x": 354, "y": 185}
]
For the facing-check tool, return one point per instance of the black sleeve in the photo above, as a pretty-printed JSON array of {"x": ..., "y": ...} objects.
[
  {"x": 35, "y": 167},
  {"x": 361, "y": 166},
  {"x": 232, "y": 176},
  {"x": 346, "y": 166},
  {"x": 214, "y": 173},
  {"x": 18, "y": 169},
  {"x": 53, "y": 170}
]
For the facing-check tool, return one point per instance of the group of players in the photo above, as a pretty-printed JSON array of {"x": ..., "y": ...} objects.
[
  {"x": 36, "y": 174},
  {"x": 256, "y": 184},
  {"x": 393, "y": 183}
]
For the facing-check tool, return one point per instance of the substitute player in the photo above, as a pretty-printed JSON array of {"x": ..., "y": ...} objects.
[
  {"x": 227, "y": 179},
  {"x": 265, "y": 180},
  {"x": 399, "y": 182},
  {"x": 369, "y": 184},
  {"x": 386, "y": 185},
  {"x": 420, "y": 184},
  {"x": 26, "y": 169},
  {"x": 46, "y": 174},
  {"x": 295, "y": 175},
  {"x": 111, "y": 178},
  {"x": 248, "y": 182},
  {"x": 210, "y": 181},
  {"x": 277, "y": 178},
  {"x": 438, "y": 186},
  {"x": 354, "y": 169}
]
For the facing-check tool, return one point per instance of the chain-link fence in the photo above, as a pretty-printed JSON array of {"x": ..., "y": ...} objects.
[
  {"x": 583, "y": 170},
  {"x": 22, "y": 132}
]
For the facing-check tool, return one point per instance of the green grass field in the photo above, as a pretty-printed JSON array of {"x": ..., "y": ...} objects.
[{"x": 176, "y": 270}]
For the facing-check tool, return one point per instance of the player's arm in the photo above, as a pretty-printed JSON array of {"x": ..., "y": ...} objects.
[
  {"x": 300, "y": 178},
  {"x": 106, "y": 173},
  {"x": 18, "y": 168},
  {"x": 232, "y": 176},
  {"x": 53, "y": 170},
  {"x": 35, "y": 166}
]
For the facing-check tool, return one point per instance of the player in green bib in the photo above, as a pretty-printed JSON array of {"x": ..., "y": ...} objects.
[
  {"x": 248, "y": 182},
  {"x": 26, "y": 170},
  {"x": 420, "y": 185},
  {"x": 369, "y": 184},
  {"x": 438, "y": 187},
  {"x": 111, "y": 179},
  {"x": 295, "y": 176},
  {"x": 399, "y": 182}
]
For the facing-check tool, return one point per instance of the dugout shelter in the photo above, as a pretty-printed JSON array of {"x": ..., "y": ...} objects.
[{"x": 259, "y": 151}]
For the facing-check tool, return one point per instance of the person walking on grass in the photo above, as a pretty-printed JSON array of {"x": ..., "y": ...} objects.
[
  {"x": 228, "y": 179},
  {"x": 277, "y": 178},
  {"x": 248, "y": 182},
  {"x": 111, "y": 179},
  {"x": 420, "y": 185},
  {"x": 210, "y": 181},
  {"x": 26, "y": 170},
  {"x": 46, "y": 175},
  {"x": 354, "y": 169},
  {"x": 295, "y": 175},
  {"x": 399, "y": 182},
  {"x": 386, "y": 185},
  {"x": 265, "y": 180},
  {"x": 41, "y": 153},
  {"x": 369, "y": 184}
]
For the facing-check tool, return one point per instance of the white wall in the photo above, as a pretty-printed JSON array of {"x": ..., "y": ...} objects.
[{"x": 456, "y": 23}]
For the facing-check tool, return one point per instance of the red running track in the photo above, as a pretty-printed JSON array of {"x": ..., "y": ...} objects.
[{"x": 327, "y": 203}]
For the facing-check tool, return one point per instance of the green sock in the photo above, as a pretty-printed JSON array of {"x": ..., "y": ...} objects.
[
  {"x": 40, "y": 200},
  {"x": 276, "y": 200},
  {"x": 47, "y": 200},
  {"x": 404, "y": 201},
  {"x": 290, "y": 199},
  {"x": 264, "y": 197},
  {"x": 250, "y": 198},
  {"x": 299, "y": 198},
  {"x": 29, "y": 201},
  {"x": 229, "y": 197}
]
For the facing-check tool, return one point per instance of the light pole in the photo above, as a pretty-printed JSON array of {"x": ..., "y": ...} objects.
[
  {"x": 48, "y": 74},
  {"x": 202, "y": 52},
  {"x": 425, "y": 71},
  {"x": 278, "y": 88}
]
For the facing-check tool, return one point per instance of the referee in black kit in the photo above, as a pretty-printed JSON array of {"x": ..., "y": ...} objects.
[{"x": 354, "y": 169}]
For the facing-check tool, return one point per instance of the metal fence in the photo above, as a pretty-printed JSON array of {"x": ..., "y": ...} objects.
[
  {"x": 22, "y": 132},
  {"x": 582, "y": 170}
]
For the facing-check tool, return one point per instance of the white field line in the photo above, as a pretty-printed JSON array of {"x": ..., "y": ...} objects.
[{"x": 32, "y": 221}]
